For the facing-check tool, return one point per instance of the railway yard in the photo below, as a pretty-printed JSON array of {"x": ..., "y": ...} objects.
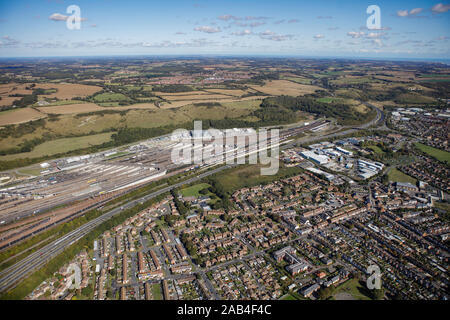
[{"x": 66, "y": 188}]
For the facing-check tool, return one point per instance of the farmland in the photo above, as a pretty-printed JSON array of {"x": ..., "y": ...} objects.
[
  {"x": 68, "y": 90},
  {"x": 19, "y": 116},
  {"x": 284, "y": 87},
  {"x": 144, "y": 94},
  {"x": 90, "y": 107},
  {"x": 61, "y": 146}
]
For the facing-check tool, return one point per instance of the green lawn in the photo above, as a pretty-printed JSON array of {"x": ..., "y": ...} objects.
[
  {"x": 351, "y": 288},
  {"x": 156, "y": 292},
  {"x": 438, "y": 154},
  {"x": 193, "y": 191},
  {"x": 397, "y": 176}
]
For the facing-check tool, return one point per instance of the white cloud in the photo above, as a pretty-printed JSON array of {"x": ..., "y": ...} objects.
[
  {"x": 270, "y": 35},
  {"x": 267, "y": 33},
  {"x": 257, "y": 24},
  {"x": 440, "y": 8},
  {"x": 319, "y": 36},
  {"x": 170, "y": 44},
  {"x": 402, "y": 13},
  {"x": 112, "y": 43},
  {"x": 355, "y": 35},
  {"x": 242, "y": 33},
  {"x": 375, "y": 35},
  {"x": 380, "y": 28},
  {"x": 58, "y": 17},
  {"x": 46, "y": 44},
  {"x": 412, "y": 12},
  {"x": 248, "y": 18},
  {"x": 227, "y": 17},
  {"x": 415, "y": 11},
  {"x": 207, "y": 29},
  {"x": 7, "y": 41},
  {"x": 377, "y": 42},
  {"x": 61, "y": 17}
]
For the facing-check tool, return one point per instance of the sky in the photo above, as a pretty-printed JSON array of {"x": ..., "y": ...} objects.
[{"x": 314, "y": 28}]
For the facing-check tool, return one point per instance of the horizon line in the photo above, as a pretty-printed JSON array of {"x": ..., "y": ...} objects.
[{"x": 279, "y": 56}]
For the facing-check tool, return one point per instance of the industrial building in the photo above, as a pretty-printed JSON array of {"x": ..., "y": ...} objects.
[{"x": 317, "y": 158}]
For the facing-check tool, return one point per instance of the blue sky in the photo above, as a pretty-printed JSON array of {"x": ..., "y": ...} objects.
[{"x": 409, "y": 29}]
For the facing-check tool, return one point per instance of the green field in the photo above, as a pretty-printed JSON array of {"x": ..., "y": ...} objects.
[
  {"x": 110, "y": 97},
  {"x": 438, "y": 154},
  {"x": 376, "y": 149},
  {"x": 156, "y": 292},
  {"x": 333, "y": 100},
  {"x": 444, "y": 206},
  {"x": 193, "y": 191},
  {"x": 250, "y": 175},
  {"x": 434, "y": 80},
  {"x": 296, "y": 80},
  {"x": 351, "y": 290},
  {"x": 61, "y": 146},
  {"x": 347, "y": 81},
  {"x": 436, "y": 75},
  {"x": 413, "y": 98},
  {"x": 397, "y": 176},
  {"x": 60, "y": 103},
  {"x": 327, "y": 99}
]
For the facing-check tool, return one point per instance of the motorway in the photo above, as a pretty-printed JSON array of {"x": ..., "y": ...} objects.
[
  {"x": 14, "y": 274},
  {"x": 37, "y": 259}
]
